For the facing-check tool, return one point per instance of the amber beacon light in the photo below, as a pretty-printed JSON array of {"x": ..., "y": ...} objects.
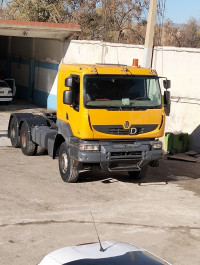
[{"x": 135, "y": 62}]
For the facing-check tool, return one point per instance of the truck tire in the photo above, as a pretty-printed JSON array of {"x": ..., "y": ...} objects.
[
  {"x": 41, "y": 151},
  {"x": 139, "y": 174},
  {"x": 69, "y": 173},
  {"x": 28, "y": 147},
  {"x": 14, "y": 133}
]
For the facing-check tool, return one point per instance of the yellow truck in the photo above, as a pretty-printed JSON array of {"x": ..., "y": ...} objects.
[{"x": 108, "y": 116}]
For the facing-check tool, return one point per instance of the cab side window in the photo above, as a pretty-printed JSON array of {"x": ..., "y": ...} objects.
[{"x": 76, "y": 92}]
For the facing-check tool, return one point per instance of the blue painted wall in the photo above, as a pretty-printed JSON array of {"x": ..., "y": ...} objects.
[{"x": 30, "y": 92}]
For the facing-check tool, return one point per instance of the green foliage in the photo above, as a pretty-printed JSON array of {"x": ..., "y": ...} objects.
[
  {"x": 36, "y": 10},
  {"x": 186, "y": 35},
  {"x": 106, "y": 20},
  {"x": 109, "y": 20}
]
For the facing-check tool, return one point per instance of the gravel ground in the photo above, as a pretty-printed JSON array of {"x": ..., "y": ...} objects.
[{"x": 41, "y": 213}]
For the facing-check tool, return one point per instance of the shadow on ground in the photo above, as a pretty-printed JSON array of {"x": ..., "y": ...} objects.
[
  {"x": 17, "y": 104},
  {"x": 168, "y": 171}
]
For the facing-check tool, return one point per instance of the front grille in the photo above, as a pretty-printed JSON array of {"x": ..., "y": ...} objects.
[
  {"x": 121, "y": 131},
  {"x": 118, "y": 131},
  {"x": 124, "y": 165},
  {"x": 132, "y": 154}
]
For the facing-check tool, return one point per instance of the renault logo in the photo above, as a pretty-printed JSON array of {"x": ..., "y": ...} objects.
[
  {"x": 133, "y": 131},
  {"x": 126, "y": 124}
]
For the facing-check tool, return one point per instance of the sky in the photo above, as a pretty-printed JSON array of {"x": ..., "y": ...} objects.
[{"x": 180, "y": 11}]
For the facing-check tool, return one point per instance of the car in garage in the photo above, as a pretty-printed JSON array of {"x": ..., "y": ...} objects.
[
  {"x": 105, "y": 253},
  {"x": 7, "y": 90}
]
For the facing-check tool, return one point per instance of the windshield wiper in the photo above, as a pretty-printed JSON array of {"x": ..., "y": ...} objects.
[
  {"x": 119, "y": 108},
  {"x": 114, "y": 108},
  {"x": 139, "y": 108},
  {"x": 127, "y": 108}
]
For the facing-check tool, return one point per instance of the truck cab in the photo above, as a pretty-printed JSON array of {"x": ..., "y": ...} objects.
[{"x": 113, "y": 116}]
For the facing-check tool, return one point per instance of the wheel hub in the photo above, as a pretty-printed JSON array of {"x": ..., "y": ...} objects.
[
  {"x": 12, "y": 134},
  {"x": 64, "y": 162}
]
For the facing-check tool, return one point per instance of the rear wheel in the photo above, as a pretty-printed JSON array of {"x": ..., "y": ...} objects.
[
  {"x": 14, "y": 133},
  {"x": 139, "y": 174},
  {"x": 68, "y": 171},
  {"x": 28, "y": 147},
  {"x": 41, "y": 151}
]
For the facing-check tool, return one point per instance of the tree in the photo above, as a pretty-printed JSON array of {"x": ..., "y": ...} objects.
[
  {"x": 190, "y": 34},
  {"x": 169, "y": 35},
  {"x": 87, "y": 14},
  {"x": 36, "y": 10},
  {"x": 108, "y": 20},
  {"x": 186, "y": 35},
  {"x": 120, "y": 16}
]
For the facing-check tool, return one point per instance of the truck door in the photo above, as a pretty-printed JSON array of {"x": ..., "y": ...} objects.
[{"x": 73, "y": 115}]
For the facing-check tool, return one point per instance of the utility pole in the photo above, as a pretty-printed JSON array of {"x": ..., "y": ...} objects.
[
  {"x": 104, "y": 9},
  {"x": 148, "y": 46}
]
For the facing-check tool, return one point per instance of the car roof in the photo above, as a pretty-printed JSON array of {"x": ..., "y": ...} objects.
[{"x": 90, "y": 251}]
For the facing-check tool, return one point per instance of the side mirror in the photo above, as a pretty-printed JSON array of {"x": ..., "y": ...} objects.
[
  {"x": 167, "y": 102},
  {"x": 67, "y": 97},
  {"x": 167, "y": 83},
  {"x": 69, "y": 81}
]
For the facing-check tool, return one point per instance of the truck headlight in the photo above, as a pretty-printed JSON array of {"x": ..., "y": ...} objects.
[
  {"x": 89, "y": 147},
  {"x": 156, "y": 146}
]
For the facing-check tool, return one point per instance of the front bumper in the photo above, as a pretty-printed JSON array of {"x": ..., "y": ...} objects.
[
  {"x": 117, "y": 155},
  {"x": 5, "y": 98}
]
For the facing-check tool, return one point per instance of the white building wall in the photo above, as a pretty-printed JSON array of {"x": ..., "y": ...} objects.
[
  {"x": 50, "y": 51},
  {"x": 90, "y": 52},
  {"x": 181, "y": 65},
  {"x": 44, "y": 79}
]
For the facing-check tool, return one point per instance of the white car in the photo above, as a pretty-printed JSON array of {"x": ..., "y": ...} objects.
[
  {"x": 7, "y": 90},
  {"x": 111, "y": 253}
]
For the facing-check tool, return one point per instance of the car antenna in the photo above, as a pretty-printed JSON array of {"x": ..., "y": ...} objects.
[{"x": 101, "y": 248}]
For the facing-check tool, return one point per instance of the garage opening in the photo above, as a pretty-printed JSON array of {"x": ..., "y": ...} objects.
[{"x": 31, "y": 53}]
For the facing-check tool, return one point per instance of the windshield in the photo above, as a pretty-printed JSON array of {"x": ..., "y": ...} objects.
[
  {"x": 130, "y": 258},
  {"x": 3, "y": 84},
  {"x": 121, "y": 91}
]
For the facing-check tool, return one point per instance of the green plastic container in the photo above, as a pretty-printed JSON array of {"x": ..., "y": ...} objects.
[{"x": 176, "y": 143}]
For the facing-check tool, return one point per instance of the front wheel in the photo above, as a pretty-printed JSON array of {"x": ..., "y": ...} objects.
[
  {"x": 139, "y": 174},
  {"x": 68, "y": 171}
]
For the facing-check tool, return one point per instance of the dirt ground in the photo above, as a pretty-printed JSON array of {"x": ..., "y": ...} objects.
[{"x": 40, "y": 213}]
